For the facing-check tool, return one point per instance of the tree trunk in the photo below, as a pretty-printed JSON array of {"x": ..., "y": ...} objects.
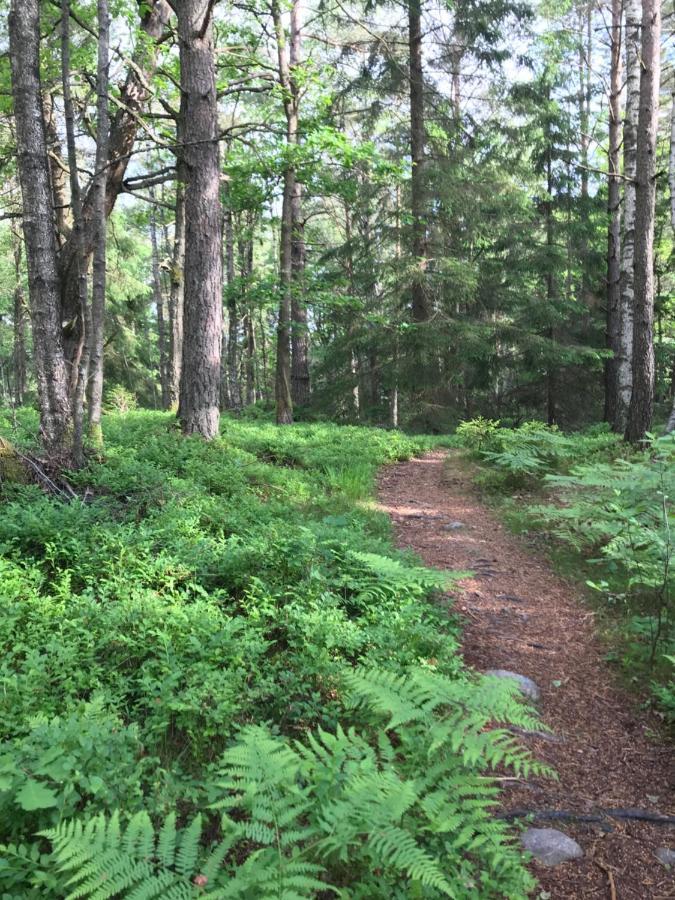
[
  {"x": 80, "y": 365},
  {"x": 624, "y": 365},
  {"x": 232, "y": 358},
  {"x": 300, "y": 379},
  {"x": 19, "y": 325},
  {"x": 39, "y": 226},
  {"x": 158, "y": 297},
  {"x": 99, "y": 218},
  {"x": 123, "y": 130},
  {"x": 286, "y": 63},
  {"x": 420, "y": 303},
  {"x": 614, "y": 216},
  {"x": 200, "y": 156},
  {"x": 641, "y": 408},
  {"x": 176, "y": 296}
]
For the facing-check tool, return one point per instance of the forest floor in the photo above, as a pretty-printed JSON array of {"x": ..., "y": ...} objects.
[{"x": 520, "y": 616}]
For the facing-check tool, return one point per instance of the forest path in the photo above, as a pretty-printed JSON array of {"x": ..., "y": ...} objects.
[{"x": 519, "y": 615}]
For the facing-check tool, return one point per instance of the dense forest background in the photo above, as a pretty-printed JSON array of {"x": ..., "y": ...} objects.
[{"x": 427, "y": 212}]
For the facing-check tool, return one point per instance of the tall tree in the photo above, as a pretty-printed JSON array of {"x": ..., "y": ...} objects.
[
  {"x": 420, "y": 302},
  {"x": 200, "y": 159},
  {"x": 176, "y": 295},
  {"x": 641, "y": 408},
  {"x": 287, "y": 61},
  {"x": 19, "y": 321},
  {"x": 99, "y": 225},
  {"x": 614, "y": 216},
  {"x": 624, "y": 366},
  {"x": 39, "y": 226}
]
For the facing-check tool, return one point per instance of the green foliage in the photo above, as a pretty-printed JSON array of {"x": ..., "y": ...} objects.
[
  {"x": 198, "y": 591},
  {"x": 613, "y": 507},
  {"x": 400, "y": 805}
]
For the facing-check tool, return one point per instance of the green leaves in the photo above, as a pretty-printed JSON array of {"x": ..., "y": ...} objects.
[{"x": 34, "y": 795}]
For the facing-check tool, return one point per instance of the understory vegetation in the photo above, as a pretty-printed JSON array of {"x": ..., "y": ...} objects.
[
  {"x": 600, "y": 501},
  {"x": 219, "y": 679}
]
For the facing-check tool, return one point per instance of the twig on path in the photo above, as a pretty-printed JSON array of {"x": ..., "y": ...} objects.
[
  {"x": 564, "y": 815},
  {"x": 610, "y": 877}
]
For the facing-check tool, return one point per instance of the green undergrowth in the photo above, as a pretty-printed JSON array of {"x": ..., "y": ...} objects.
[
  {"x": 604, "y": 511},
  {"x": 219, "y": 679}
]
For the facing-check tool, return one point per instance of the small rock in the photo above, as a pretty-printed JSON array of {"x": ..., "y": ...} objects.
[
  {"x": 453, "y": 526},
  {"x": 527, "y": 687},
  {"x": 549, "y": 846},
  {"x": 666, "y": 855}
]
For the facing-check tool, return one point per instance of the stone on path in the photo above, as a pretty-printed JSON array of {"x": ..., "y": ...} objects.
[
  {"x": 666, "y": 855},
  {"x": 527, "y": 687},
  {"x": 454, "y": 526},
  {"x": 550, "y": 846}
]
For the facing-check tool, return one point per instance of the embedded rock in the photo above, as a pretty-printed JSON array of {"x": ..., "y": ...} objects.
[
  {"x": 666, "y": 855},
  {"x": 527, "y": 687},
  {"x": 549, "y": 846}
]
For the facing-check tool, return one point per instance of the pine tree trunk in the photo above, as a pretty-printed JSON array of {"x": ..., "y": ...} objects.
[
  {"x": 624, "y": 365},
  {"x": 614, "y": 216},
  {"x": 300, "y": 379},
  {"x": 158, "y": 298},
  {"x": 200, "y": 157},
  {"x": 641, "y": 408},
  {"x": 39, "y": 227},
  {"x": 420, "y": 303},
  {"x": 286, "y": 61},
  {"x": 232, "y": 356},
  {"x": 19, "y": 326},
  {"x": 176, "y": 296}
]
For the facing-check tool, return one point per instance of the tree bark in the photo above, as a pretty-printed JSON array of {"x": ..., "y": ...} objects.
[
  {"x": 300, "y": 378},
  {"x": 232, "y": 359},
  {"x": 39, "y": 227},
  {"x": 641, "y": 408},
  {"x": 176, "y": 296},
  {"x": 624, "y": 365},
  {"x": 123, "y": 130},
  {"x": 99, "y": 217},
  {"x": 158, "y": 298},
  {"x": 614, "y": 218},
  {"x": 19, "y": 325},
  {"x": 200, "y": 156},
  {"x": 287, "y": 81},
  {"x": 420, "y": 302}
]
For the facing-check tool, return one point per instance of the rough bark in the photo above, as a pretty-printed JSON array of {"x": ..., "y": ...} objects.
[
  {"x": 39, "y": 226},
  {"x": 80, "y": 365},
  {"x": 286, "y": 60},
  {"x": 614, "y": 217},
  {"x": 200, "y": 155},
  {"x": 123, "y": 130},
  {"x": 176, "y": 297},
  {"x": 232, "y": 358},
  {"x": 300, "y": 378},
  {"x": 641, "y": 408},
  {"x": 58, "y": 170},
  {"x": 158, "y": 299},
  {"x": 19, "y": 325},
  {"x": 624, "y": 366},
  {"x": 420, "y": 302}
]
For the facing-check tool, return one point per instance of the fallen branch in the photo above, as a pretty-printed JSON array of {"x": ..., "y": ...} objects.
[{"x": 637, "y": 815}]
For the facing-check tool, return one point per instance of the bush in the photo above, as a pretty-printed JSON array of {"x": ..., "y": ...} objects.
[{"x": 205, "y": 590}]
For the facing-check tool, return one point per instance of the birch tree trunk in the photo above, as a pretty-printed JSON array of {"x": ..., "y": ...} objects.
[
  {"x": 614, "y": 217},
  {"x": 641, "y": 407},
  {"x": 420, "y": 303},
  {"x": 39, "y": 227},
  {"x": 624, "y": 364},
  {"x": 135, "y": 91},
  {"x": 200, "y": 157}
]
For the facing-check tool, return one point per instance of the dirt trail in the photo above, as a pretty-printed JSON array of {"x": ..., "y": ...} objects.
[{"x": 522, "y": 617}]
